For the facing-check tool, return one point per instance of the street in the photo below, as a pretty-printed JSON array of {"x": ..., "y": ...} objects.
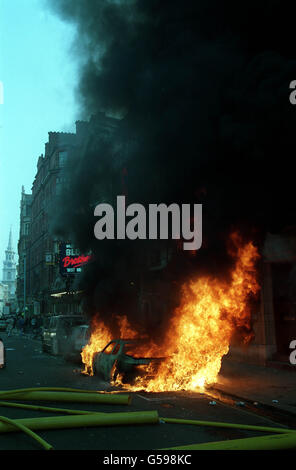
[{"x": 28, "y": 367}]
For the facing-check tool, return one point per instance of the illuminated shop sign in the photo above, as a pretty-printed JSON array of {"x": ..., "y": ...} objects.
[{"x": 71, "y": 261}]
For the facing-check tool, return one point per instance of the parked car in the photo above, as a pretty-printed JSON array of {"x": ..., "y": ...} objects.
[
  {"x": 57, "y": 330},
  {"x": 78, "y": 339},
  {"x": 117, "y": 358}
]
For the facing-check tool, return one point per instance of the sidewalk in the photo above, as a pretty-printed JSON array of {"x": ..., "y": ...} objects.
[{"x": 259, "y": 384}]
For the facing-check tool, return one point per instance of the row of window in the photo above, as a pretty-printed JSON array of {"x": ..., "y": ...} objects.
[{"x": 59, "y": 162}]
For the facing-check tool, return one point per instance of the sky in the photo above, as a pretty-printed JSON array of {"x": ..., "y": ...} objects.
[{"x": 38, "y": 73}]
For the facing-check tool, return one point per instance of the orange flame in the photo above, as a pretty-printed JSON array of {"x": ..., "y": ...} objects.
[
  {"x": 100, "y": 337},
  {"x": 201, "y": 328}
]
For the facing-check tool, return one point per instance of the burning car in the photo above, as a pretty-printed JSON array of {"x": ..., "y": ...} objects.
[
  {"x": 117, "y": 359},
  {"x": 197, "y": 337}
]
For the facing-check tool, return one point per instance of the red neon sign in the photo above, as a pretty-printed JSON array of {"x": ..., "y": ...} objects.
[{"x": 75, "y": 261}]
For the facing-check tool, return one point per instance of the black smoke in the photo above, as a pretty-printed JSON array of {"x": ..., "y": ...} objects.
[{"x": 202, "y": 87}]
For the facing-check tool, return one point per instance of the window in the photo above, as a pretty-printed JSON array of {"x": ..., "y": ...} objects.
[
  {"x": 116, "y": 349},
  {"x": 53, "y": 323},
  {"x": 62, "y": 158},
  {"x": 82, "y": 333},
  {"x": 108, "y": 349},
  {"x": 26, "y": 229},
  {"x": 60, "y": 183}
]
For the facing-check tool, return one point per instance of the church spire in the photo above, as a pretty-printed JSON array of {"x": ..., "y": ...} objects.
[
  {"x": 9, "y": 248},
  {"x": 9, "y": 267}
]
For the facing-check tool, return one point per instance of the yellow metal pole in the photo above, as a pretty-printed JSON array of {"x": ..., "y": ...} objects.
[
  {"x": 74, "y": 421},
  {"x": 273, "y": 442},
  {"x": 21, "y": 427},
  {"x": 113, "y": 399},
  {"x": 52, "y": 389},
  {"x": 228, "y": 425}
]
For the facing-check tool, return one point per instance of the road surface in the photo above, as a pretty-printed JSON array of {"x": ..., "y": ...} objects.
[{"x": 28, "y": 366}]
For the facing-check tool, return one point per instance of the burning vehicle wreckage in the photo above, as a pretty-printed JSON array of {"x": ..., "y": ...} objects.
[
  {"x": 117, "y": 360},
  {"x": 197, "y": 337}
]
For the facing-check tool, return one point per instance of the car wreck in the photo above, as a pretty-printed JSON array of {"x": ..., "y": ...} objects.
[{"x": 118, "y": 358}]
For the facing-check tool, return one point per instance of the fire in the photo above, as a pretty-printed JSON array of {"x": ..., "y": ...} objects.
[
  {"x": 125, "y": 329},
  {"x": 101, "y": 335},
  {"x": 201, "y": 328}
]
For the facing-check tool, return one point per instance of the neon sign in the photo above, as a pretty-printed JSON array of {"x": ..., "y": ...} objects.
[
  {"x": 71, "y": 261},
  {"x": 76, "y": 261}
]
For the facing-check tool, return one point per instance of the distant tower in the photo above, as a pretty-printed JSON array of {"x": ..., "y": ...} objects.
[{"x": 9, "y": 268}]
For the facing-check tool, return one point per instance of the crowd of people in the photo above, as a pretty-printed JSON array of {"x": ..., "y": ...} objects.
[{"x": 24, "y": 325}]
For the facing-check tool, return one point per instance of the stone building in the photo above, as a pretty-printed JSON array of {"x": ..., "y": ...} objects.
[
  {"x": 43, "y": 248},
  {"x": 3, "y": 298},
  {"x": 46, "y": 286},
  {"x": 23, "y": 247},
  {"x": 9, "y": 270}
]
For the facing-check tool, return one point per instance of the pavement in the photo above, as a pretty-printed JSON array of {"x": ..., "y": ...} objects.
[{"x": 271, "y": 386}]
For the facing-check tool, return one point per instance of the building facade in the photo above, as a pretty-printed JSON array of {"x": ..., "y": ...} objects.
[
  {"x": 43, "y": 248},
  {"x": 9, "y": 270},
  {"x": 23, "y": 278},
  {"x": 3, "y": 298},
  {"x": 42, "y": 287}
]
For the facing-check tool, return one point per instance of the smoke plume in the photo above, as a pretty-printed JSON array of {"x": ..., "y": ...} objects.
[{"x": 202, "y": 92}]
